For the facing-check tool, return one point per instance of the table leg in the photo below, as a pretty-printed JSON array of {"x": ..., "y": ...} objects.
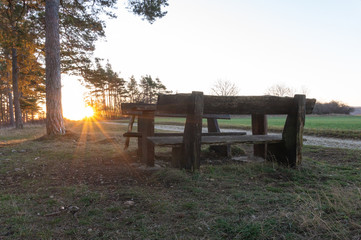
[
  {"x": 130, "y": 128},
  {"x": 147, "y": 128},
  {"x": 259, "y": 127},
  {"x": 141, "y": 123},
  {"x": 212, "y": 124}
]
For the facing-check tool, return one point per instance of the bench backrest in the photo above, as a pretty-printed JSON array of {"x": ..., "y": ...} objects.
[{"x": 172, "y": 104}]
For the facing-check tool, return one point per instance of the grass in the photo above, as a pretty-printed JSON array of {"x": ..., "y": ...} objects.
[
  {"x": 13, "y": 135},
  {"x": 43, "y": 180}
]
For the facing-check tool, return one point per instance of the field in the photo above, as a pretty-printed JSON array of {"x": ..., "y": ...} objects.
[
  {"x": 84, "y": 186},
  {"x": 332, "y": 126}
]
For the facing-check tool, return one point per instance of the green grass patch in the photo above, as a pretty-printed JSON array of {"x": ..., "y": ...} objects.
[{"x": 343, "y": 126}]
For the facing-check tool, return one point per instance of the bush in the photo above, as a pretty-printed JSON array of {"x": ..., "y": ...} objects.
[{"x": 332, "y": 107}]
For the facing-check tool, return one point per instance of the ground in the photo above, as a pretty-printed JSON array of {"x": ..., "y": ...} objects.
[{"x": 85, "y": 186}]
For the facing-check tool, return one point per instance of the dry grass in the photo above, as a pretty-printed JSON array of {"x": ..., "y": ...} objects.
[{"x": 15, "y": 136}]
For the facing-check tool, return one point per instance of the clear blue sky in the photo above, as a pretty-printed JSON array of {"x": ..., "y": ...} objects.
[{"x": 313, "y": 44}]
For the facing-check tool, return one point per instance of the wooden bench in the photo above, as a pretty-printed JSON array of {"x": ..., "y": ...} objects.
[
  {"x": 146, "y": 113},
  {"x": 286, "y": 148}
]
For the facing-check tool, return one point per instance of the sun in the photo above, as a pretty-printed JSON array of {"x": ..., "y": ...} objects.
[
  {"x": 88, "y": 111},
  {"x": 78, "y": 111},
  {"x": 73, "y": 100}
]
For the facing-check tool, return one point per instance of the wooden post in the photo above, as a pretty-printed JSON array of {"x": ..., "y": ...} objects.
[
  {"x": 293, "y": 131},
  {"x": 213, "y": 126},
  {"x": 140, "y": 127},
  {"x": 193, "y": 132},
  {"x": 259, "y": 127},
  {"x": 130, "y": 128},
  {"x": 146, "y": 128},
  {"x": 177, "y": 156}
]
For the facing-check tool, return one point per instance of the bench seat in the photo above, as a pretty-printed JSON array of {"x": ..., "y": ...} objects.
[
  {"x": 164, "y": 134},
  {"x": 230, "y": 139}
]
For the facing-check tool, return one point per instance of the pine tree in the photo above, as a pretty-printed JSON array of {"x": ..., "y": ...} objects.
[
  {"x": 151, "y": 88},
  {"x": 16, "y": 37},
  {"x": 76, "y": 24},
  {"x": 106, "y": 86},
  {"x": 133, "y": 90},
  {"x": 54, "y": 112}
]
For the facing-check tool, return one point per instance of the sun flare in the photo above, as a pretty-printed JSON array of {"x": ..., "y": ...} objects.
[
  {"x": 78, "y": 112},
  {"x": 74, "y": 105},
  {"x": 89, "y": 111}
]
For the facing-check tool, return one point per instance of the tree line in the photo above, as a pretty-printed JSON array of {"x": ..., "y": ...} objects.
[
  {"x": 107, "y": 90},
  {"x": 40, "y": 40},
  {"x": 332, "y": 107},
  {"x": 227, "y": 88}
]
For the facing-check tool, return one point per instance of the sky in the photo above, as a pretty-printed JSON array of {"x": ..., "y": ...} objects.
[{"x": 308, "y": 44}]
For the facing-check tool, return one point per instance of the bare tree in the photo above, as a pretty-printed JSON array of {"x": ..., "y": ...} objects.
[
  {"x": 304, "y": 90},
  {"x": 224, "y": 88},
  {"x": 280, "y": 90}
]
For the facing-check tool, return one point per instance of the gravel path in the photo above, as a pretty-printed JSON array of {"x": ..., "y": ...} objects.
[{"x": 308, "y": 140}]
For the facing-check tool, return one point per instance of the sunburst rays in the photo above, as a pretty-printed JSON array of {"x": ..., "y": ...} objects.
[{"x": 94, "y": 132}]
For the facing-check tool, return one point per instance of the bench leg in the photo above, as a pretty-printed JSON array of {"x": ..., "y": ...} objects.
[
  {"x": 141, "y": 123},
  {"x": 193, "y": 132},
  {"x": 130, "y": 128},
  {"x": 289, "y": 152},
  {"x": 259, "y": 127},
  {"x": 146, "y": 126},
  {"x": 177, "y": 155},
  {"x": 293, "y": 132}
]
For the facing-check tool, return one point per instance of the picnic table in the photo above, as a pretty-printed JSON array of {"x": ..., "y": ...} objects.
[
  {"x": 285, "y": 148},
  {"x": 146, "y": 113}
]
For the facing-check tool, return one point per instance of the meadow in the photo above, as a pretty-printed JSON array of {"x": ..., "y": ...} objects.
[{"x": 85, "y": 186}]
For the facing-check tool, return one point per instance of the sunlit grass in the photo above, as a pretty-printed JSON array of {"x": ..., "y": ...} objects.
[{"x": 29, "y": 132}]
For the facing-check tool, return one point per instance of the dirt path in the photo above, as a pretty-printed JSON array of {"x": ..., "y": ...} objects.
[{"x": 308, "y": 140}]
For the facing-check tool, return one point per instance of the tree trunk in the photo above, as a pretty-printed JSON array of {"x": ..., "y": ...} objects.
[
  {"x": 104, "y": 101},
  {"x": 2, "y": 110},
  {"x": 54, "y": 111},
  {"x": 10, "y": 94},
  {"x": 15, "y": 78},
  {"x": 11, "y": 108}
]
